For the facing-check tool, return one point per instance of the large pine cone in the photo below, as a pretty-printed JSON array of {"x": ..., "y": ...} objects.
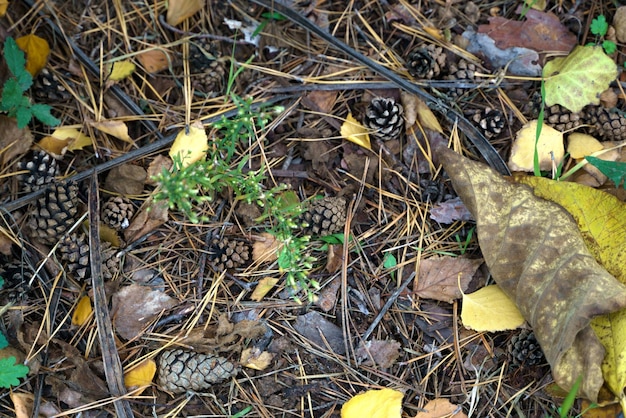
[
  {"x": 324, "y": 216},
  {"x": 383, "y": 117},
  {"x": 42, "y": 169},
  {"x": 180, "y": 371},
  {"x": 54, "y": 212},
  {"x": 227, "y": 253},
  {"x": 74, "y": 251},
  {"x": 562, "y": 119},
  {"x": 610, "y": 124},
  {"x": 16, "y": 280}
]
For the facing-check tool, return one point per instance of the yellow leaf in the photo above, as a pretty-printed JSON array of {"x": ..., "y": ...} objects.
[
  {"x": 74, "y": 139},
  {"x": 265, "y": 285},
  {"x": 3, "y": 7},
  {"x": 115, "y": 128},
  {"x": 427, "y": 118},
  {"x": 37, "y": 51},
  {"x": 380, "y": 403},
  {"x": 179, "y": 10},
  {"x": 490, "y": 309},
  {"x": 353, "y": 131},
  {"x": 141, "y": 375},
  {"x": 192, "y": 146},
  {"x": 120, "y": 70},
  {"x": 550, "y": 148},
  {"x": 254, "y": 359},
  {"x": 82, "y": 312},
  {"x": 23, "y": 403},
  {"x": 154, "y": 60},
  {"x": 54, "y": 146},
  {"x": 580, "y": 145}
]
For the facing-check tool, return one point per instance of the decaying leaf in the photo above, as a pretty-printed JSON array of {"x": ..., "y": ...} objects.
[
  {"x": 379, "y": 353},
  {"x": 140, "y": 376},
  {"x": 377, "y": 403},
  {"x": 154, "y": 60},
  {"x": 265, "y": 248},
  {"x": 126, "y": 179},
  {"x": 151, "y": 216},
  {"x": 179, "y": 10},
  {"x": 441, "y": 408},
  {"x": 449, "y": 211},
  {"x": 14, "y": 141},
  {"x": 157, "y": 166},
  {"x": 3, "y": 9},
  {"x": 82, "y": 312},
  {"x": 549, "y": 147},
  {"x": 426, "y": 117},
  {"x": 37, "y": 52},
  {"x": 190, "y": 145},
  {"x": 317, "y": 329},
  {"x": 335, "y": 258},
  {"x": 255, "y": 359},
  {"x": 23, "y": 403},
  {"x": 262, "y": 288},
  {"x": 64, "y": 139},
  {"x": 490, "y": 309},
  {"x": 439, "y": 277},
  {"x": 351, "y": 130},
  {"x": 119, "y": 70},
  {"x": 578, "y": 79},
  {"x": 537, "y": 256},
  {"x": 135, "y": 306}
]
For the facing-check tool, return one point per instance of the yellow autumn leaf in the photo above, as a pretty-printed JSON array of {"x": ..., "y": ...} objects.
[
  {"x": 353, "y": 131},
  {"x": 179, "y": 10},
  {"x": 3, "y": 7},
  {"x": 63, "y": 137},
  {"x": 190, "y": 146},
  {"x": 37, "y": 52},
  {"x": 549, "y": 147},
  {"x": 580, "y": 145},
  {"x": 115, "y": 128},
  {"x": 120, "y": 70},
  {"x": 53, "y": 146},
  {"x": 427, "y": 118},
  {"x": 254, "y": 359},
  {"x": 377, "y": 403},
  {"x": 141, "y": 375},
  {"x": 82, "y": 312},
  {"x": 490, "y": 309},
  {"x": 265, "y": 285}
]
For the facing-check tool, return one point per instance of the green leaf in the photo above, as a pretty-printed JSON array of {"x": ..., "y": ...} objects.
[
  {"x": 10, "y": 373},
  {"x": 23, "y": 115},
  {"x": 14, "y": 57},
  {"x": 1, "y": 281},
  {"x": 333, "y": 239},
  {"x": 614, "y": 170},
  {"x": 3, "y": 341},
  {"x": 11, "y": 95},
  {"x": 599, "y": 26},
  {"x": 568, "y": 402},
  {"x": 389, "y": 261},
  {"x": 578, "y": 79},
  {"x": 42, "y": 113},
  {"x": 609, "y": 47}
]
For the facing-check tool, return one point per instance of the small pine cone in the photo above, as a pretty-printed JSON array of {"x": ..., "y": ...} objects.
[
  {"x": 525, "y": 349},
  {"x": 48, "y": 88},
  {"x": 490, "y": 121},
  {"x": 211, "y": 81},
  {"x": 54, "y": 212},
  {"x": 463, "y": 71},
  {"x": 426, "y": 62},
  {"x": 384, "y": 117},
  {"x": 16, "y": 279},
  {"x": 42, "y": 169},
  {"x": 610, "y": 124},
  {"x": 180, "y": 371},
  {"x": 226, "y": 253},
  {"x": 562, "y": 119},
  {"x": 117, "y": 212},
  {"x": 325, "y": 216},
  {"x": 202, "y": 54},
  {"x": 74, "y": 251}
]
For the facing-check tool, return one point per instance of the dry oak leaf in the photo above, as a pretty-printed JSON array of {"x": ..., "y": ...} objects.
[
  {"x": 537, "y": 256},
  {"x": 441, "y": 408},
  {"x": 439, "y": 277},
  {"x": 601, "y": 219},
  {"x": 377, "y": 403}
]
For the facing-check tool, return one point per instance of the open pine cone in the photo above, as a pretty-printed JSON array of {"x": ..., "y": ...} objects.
[
  {"x": 117, "y": 212},
  {"x": 180, "y": 371},
  {"x": 227, "y": 253},
  {"x": 324, "y": 216},
  {"x": 525, "y": 350},
  {"x": 384, "y": 117},
  {"x": 54, "y": 212},
  {"x": 562, "y": 119},
  {"x": 609, "y": 124},
  {"x": 463, "y": 71},
  {"x": 74, "y": 251},
  {"x": 426, "y": 62},
  {"x": 490, "y": 121},
  {"x": 42, "y": 169}
]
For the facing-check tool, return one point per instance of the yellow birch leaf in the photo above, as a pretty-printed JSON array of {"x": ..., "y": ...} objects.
[
  {"x": 140, "y": 376},
  {"x": 353, "y": 131},
  {"x": 54, "y": 146},
  {"x": 82, "y": 312},
  {"x": 120, "y": 70},
  {"x": 192, "y": 146},
  {"x": 154, "y": 60},
  {"x": 549, "y": 147},
  {"x": 427, "y": 118},
  {"x": 37, "y": 52},
  {"x": 75, "y": 139},
  {"x": 378, "y": 403},
  {"x": 115, "y": 128},
  {"x": 490, "y": 309},
  {"x": 265, "y": 285},
  {"x": 3, "y": 7},
  {"x": 179, "y": 10},
  {"x": 258, "y": 360},
  {"x": 580, "y": 145}
]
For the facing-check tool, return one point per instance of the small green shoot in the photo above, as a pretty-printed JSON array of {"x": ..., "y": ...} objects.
[
  {"x": 599, "y": 27},
  {"x": 13, "y": 101},
  {"x": 390, "y": 262},
  {"x": 243, "y": 412},
  {"x": 464, "y": 244},
  {"x": 614, "y": 170},
  {"x": 568, "y": 402}
]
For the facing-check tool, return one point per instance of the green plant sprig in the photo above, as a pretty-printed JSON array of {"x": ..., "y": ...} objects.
[
  {"x": 14, "y": 102},
  {"x": 599, "y": 27},
  {"x": 10, "y": 372}
]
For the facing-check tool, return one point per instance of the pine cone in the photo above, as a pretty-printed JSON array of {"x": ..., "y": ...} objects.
[
  {"x": 562, "y": 119},
  {"x": 525, "y": 349},
  {"x": 54, "y": 212},
  {"x": 47, "y": 88},
  {"x": 463, "y": 71},
  {"x": 490, "y": 121},
  {"x": 117, "y": 212},
  {"x": 426, "y": 62},
  {"x": 202, "y": 53},
  {"x": 325, "y": 216},
  {"x": 180, "y": 371},
  {"x": 229, "y": 253},
  {"x": 208, "y": 71},
  {"x": 384, "y": 118},
  {"x": 74, "y": 251},
  {"x": 16, "y": 279},
  {"x": 610, "y": 124},
  {"x": 42, "y": 169}
]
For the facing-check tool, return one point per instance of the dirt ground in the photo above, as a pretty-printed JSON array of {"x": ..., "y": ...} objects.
[{"x": 368, "y": 326}]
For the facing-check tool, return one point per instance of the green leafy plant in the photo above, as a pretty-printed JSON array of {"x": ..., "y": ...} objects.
[
  {"x": 10, "y": 373},
  {"x": 14, "y": 102},
  {"x": 599, "y": 27},
  {"x": 614, "y": 170}
]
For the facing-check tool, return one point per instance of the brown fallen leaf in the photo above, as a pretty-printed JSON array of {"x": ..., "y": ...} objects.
[
  {"x": 14, "y": 141},
  {"x": 441, "y": 408},
  {"x": 381, "y": 353},
  {"x": 126, "y": 179},
  {"x": 537, "y": 256},
  {"x": 151, "y": 216},
  {"x": 439, "y": 277}
]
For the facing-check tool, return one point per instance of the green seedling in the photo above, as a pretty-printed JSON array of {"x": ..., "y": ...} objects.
[
  {"x": 10, "y": 373},
  {"x": 599, "y": 27},
  {"x": 14, "y": 102},
  {"x": 464, "y": 244},
  {"x": 390, "y": 262}
]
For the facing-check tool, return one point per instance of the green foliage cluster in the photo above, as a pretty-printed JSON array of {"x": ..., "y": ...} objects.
[
  {"x": 10, "y": 373},
  {"x": 599, "y": 27},
  {"x": 13, "y": 101}
]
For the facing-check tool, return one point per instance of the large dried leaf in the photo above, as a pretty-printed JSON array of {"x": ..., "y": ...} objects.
[
  {"x": 601, "y": 219},
  {"x": 445, "y": 278},
  {"x": 536, "y": 254}
]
